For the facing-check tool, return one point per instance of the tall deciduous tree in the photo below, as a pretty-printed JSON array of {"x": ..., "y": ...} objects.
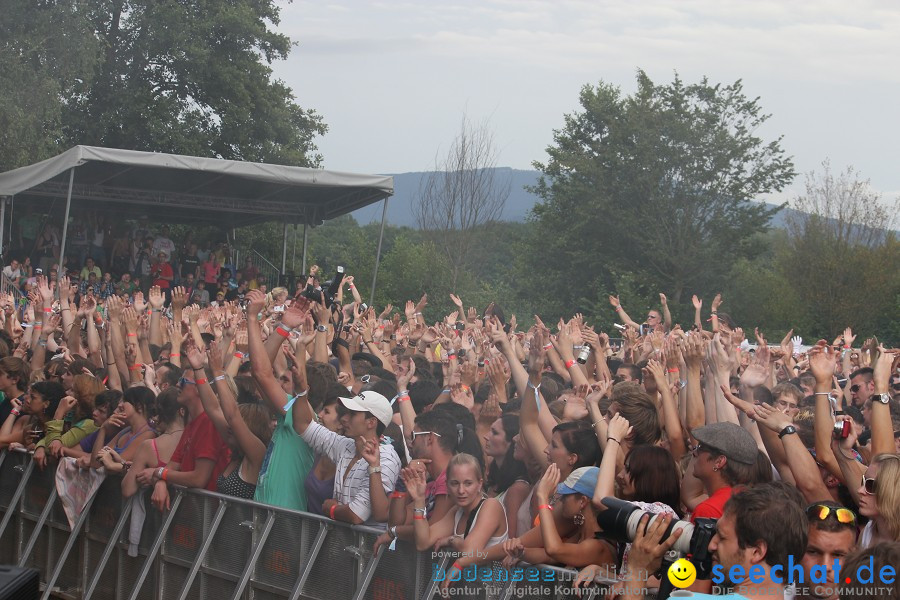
[
  {"x": 661, "y": 184},
  {"x": 842, "y": 252},
  {"x": 45, "y": 49},
  {"x": 464, "y": 191},
  {"x": 191, "y": 77}
]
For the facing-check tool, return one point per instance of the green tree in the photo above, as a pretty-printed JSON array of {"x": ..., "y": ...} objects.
[
  {"x": 842, "y": 253},
  {"x": 661, "y": 184},
  {"x": 45, "y": 49},
  {"x": 190, "y": 77}
]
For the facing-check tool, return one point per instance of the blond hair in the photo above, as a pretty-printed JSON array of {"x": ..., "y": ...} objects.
[{"x": 887, "y": 491}]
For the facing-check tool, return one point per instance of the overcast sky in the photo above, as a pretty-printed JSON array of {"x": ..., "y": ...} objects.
[{"x": 393, "y": 79}]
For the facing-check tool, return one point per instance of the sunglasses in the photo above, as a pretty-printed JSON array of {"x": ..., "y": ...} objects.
[
  {"x": 185, "y": 381},
  {"x": 696, "y": 450},
  {"x": 854, "y": 387},
  {"x": 415, "y": 433},
  {"x": 822, "y": 512},
  {"x": 868, "y": 485}
]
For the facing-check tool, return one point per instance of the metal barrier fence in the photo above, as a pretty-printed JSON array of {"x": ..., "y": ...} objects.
[
  {"x": 7, "y": 287},
  {"x": 211, "y": 546}
]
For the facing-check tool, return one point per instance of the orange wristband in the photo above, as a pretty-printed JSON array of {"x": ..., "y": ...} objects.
[
  {"x": 547, "y": 506},
  {"x": 165, "y": 474},
  {"x": 419, "y": 517},
  {"x": 569, "y": 364},
  {"x": 331, "y": 512}
]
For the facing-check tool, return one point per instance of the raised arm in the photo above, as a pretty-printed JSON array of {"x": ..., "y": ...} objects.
[
  {"x": 882, "y": 430},
  {"x": 667, "y": 316},
  {"x": 698, "y": 305},
  {"x": 626, "y": 320},
  {"x": 260, "y": 364},
  {"x": 252, "y": 447}
]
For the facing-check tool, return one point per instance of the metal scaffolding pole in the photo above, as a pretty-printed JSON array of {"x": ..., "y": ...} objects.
[
  {"x": 62, "y": 245},
  {"x": 283, "y": 253},
  {"x": 2, "y": 221},
  {"x": 305, "y": 241},
  {"x": 378, "y": 253}
]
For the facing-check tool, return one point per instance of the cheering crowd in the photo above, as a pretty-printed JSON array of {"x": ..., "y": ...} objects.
[{"x": 468, "y": 434}]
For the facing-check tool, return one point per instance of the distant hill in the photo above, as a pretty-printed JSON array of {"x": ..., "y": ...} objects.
[
  {"x": 406, "y": 191},
  {"x": 520, "y": 201}
]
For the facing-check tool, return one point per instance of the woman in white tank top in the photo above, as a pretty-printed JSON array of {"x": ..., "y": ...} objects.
[{"x": 476, "y": 522}]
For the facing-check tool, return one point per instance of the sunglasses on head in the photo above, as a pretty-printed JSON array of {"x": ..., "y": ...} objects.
[{"x": 822, "y": 512}]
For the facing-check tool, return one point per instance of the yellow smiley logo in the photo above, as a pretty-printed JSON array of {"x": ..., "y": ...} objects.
[{"x": 682, "y": 573}]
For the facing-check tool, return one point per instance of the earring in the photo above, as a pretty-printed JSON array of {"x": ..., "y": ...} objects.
[
  {"x": 578, "y": 519},
  {"x": 715, "y": 468}
]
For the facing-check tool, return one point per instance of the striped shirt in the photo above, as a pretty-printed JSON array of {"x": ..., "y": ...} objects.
[{"x": 353, "y": 490}]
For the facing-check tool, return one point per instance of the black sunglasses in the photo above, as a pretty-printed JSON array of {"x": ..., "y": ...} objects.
[{"x": 854, "y": 387}]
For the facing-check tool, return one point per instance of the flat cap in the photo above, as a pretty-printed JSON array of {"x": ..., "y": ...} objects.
[{"x": 732, "y": 441}]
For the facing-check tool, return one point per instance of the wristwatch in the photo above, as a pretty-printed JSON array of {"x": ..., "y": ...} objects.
[
  {"x": 373, "y": 470},
  {"x": 321, "y": 328},
  {"x": 883, "y": 398},
  {"x": 789, "y": 429}
]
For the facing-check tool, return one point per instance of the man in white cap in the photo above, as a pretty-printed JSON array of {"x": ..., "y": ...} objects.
[{"x": 366, "y": 469}]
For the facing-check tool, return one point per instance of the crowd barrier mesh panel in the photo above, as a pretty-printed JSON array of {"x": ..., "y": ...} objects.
[{"x": 336, "y": 571}]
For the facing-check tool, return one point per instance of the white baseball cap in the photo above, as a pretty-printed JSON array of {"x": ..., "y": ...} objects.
[{"x": 372, "y": 402}]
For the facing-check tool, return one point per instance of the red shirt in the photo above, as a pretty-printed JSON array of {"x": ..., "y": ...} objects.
[
  {"x": 713, "y": 506},
  {"x": 160, "y": 270},
  {"x": 201, "y": 440}
]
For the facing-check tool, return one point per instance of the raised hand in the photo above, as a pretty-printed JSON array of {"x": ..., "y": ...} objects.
[
  {"x": 44, "y": 290},
  {"x": 849, "y": 338},
  {"x": 415, "y": 483},
  {"x": 139, "y": 304},
  {"x": 179, "y": 298},
  {"x": 546, "y": 487},
  {"x": 423, "y": 302},
  {"x": 457, "y": 302},
  {"x": 195, "y": 357},
  {"x": 822, "y": 361},
  {"x": 619, "y": 429},
  {"x": 156, "y": 298},
  {"x": 369, "y": 450},
  {"x": 771, "y": 417},
  {"x": 614, "y": 300},
  {"x": 717, "y": 301},
  {"x": 697, "y": 302},
  {"x": 256, "y": 301}
]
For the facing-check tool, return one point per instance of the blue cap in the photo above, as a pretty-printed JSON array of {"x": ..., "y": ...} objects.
[{"x": 580, "y": 481}]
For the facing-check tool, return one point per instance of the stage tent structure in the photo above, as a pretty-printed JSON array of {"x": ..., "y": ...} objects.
[{"x": 192, "y": 189}]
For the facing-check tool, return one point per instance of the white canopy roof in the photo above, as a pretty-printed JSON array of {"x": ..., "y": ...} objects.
[{"x": 194, "y": 189}]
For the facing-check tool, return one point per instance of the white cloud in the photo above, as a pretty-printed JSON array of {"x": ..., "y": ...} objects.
[{"x": 392, "y": 78}]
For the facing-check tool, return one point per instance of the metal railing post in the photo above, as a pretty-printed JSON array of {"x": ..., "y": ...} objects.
[
  {"x": 26, "y": 551},
  {"x": 367, "y": 576},
  {"x": 313, "y": 553},
  {"x": 213, "y": 527},
  {"x": 157, "y": 544},
  {"x": 107, "y": 551},
  {"x": 70, "y": 542},
  {"x": 432, "y": 587},
  {"x": 17, "y": 496},
  {"x": 254, "y": 556}
]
